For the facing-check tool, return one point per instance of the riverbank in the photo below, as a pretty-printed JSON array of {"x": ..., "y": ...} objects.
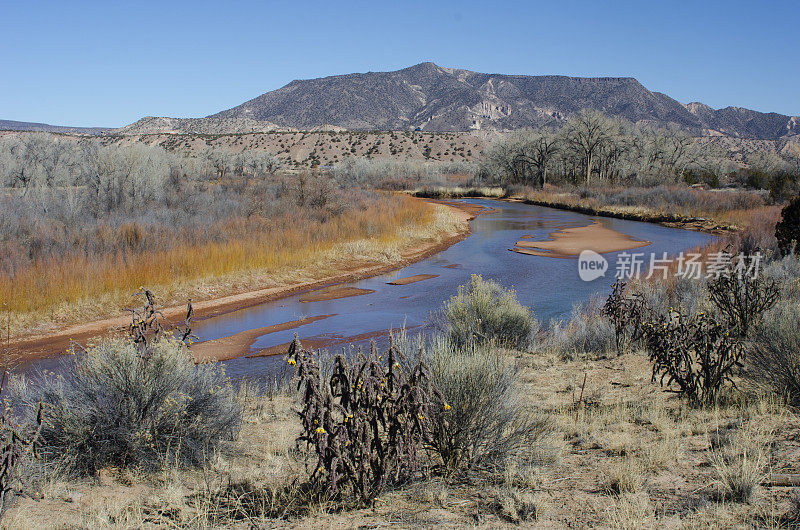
[
  {"x": 633, "y": 213},
  {"x": 360, "y": 259},
  {"x": 731, "y": 221}
]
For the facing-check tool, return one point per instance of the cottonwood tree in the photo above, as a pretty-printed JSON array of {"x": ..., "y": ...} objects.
[
  {"x": 587, "y": 132},
  {"x": 522, "y": 157},
  {"x": 539, "y": 148}
]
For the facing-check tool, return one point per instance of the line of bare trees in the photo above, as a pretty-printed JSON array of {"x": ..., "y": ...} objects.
[
  {"x": 246, "y": 163},
  {"x": 592, "y": 148},
  {"x": 113, "y": 177}
]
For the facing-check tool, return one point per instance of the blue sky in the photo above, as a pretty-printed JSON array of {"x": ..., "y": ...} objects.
[{"x": 109, "y": 63}]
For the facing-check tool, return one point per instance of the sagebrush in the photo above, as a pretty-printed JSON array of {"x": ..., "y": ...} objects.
[
  {"x": 483, "y": 423},
  {"x": 113, "y": 406},
  {"x": 485, "y": 311}
]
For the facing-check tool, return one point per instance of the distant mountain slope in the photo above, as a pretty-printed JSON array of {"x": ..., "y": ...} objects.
[
  {"x": 10, "y": 125},
  {"x": 433, "y": 98},
  {"x": 153, "y": 125}
]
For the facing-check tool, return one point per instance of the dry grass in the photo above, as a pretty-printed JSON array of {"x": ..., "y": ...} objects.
[
  {"x": 456, "y": 192},
  {"x": 626, "y": 455},
  {"x": 705, "y": 209},
  {"x": 266, "y": 253}
]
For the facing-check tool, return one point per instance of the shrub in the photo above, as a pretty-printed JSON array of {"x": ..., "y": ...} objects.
[
  {"x": 787, "y": 231},
  {"x": 114, "y": 406},
  {"x": 482, "y": 423},
  {"x": 695, "y": 355},
  {"x": 587, "y": 332},
  {"x": 365, "y": 423},
  {"x": 742, "y": 299},
  {"x": 690, "y": 294},
  {"x": 774, "y": 362},
  {"x": 483, "y": 311}
]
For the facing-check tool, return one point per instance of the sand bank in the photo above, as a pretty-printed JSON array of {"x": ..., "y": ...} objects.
[
  {"x": 239, "y": 344},
  {"x": 334, "y": 293},
  {"x": 412, "y": 279},
  {"x": 570, "y": 242}
]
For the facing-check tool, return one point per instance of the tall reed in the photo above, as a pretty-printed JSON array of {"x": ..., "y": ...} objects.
[{"x": 258, "y": 245}]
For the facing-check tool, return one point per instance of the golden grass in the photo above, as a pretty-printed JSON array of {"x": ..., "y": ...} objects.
[{"x": 273, "y": 251}]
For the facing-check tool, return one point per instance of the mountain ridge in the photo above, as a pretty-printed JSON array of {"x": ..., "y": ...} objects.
[
  {"x": 434, "y": 98},
  {"x": 13, "y": 125}
]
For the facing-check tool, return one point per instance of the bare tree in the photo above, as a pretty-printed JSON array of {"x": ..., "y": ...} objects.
[{"x": 587, "y": 132}]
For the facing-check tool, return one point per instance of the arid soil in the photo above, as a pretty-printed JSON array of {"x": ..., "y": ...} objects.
[
  {"x": 570, "y": 242},
  {"x": 325, "y": 148}
]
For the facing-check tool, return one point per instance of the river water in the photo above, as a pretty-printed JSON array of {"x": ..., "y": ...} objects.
[{"x": 549, "y": 286}]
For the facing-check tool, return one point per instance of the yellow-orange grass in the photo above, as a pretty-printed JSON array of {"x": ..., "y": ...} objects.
[
  {"x": 275, "y": 247},
  {"x": 762, "y": 218}
]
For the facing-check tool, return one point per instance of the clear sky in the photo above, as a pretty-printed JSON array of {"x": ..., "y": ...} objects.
[{"x": 108, "y": 63}]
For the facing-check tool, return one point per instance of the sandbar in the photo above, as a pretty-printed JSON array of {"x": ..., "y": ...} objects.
[{"x": 570, "y": 242}]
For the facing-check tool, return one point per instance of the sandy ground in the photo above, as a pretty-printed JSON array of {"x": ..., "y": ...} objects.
[
  {"x": 239, "y": 344},
  {"x": 570, "y": 242},
  {"x": 412, "y": 279},
  {"x": 58, "y": 341},
  {"x": 334, "y": 293}
]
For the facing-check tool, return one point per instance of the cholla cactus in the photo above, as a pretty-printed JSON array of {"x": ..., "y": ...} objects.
[
  {"x": 365, "y": 424},
  {"x": 693, "y": 356},
  {"x": 148, "y": 324},
  {"x": 626, "y": 312}
]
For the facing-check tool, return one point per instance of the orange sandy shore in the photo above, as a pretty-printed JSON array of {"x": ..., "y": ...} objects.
[
  {"x": 412, "y": 279},
  {"x": 570, "y": 242},
  {"x": 333, "y": 293}
]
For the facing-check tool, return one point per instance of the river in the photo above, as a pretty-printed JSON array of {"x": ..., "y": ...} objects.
[{"x": 549, "y": 286}]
